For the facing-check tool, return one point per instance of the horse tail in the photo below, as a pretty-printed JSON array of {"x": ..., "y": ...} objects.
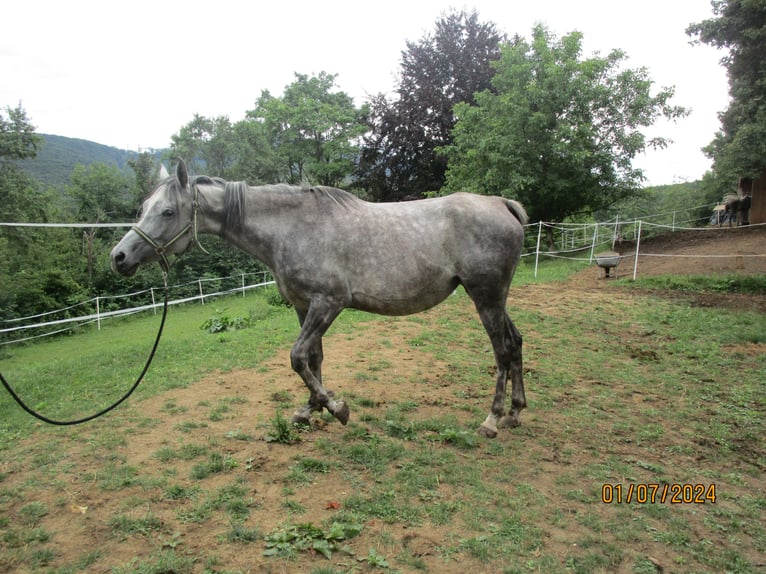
[{"x": 517, "y": 210}]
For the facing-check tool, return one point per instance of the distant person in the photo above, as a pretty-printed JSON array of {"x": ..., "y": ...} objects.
[{"x": 744, "y": 207}]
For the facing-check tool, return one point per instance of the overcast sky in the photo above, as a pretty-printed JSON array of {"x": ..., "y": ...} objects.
[{"x": 131, "y": 74}]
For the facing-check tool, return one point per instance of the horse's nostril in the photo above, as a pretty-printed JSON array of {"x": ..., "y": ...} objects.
[{"x": 120, "y": 257}]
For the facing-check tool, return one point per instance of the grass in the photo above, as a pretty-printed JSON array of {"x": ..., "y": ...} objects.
[{"x": 662, "y": 393}]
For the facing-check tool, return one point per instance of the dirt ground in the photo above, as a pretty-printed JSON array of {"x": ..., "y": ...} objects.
[{"x": 87, "y": 507}]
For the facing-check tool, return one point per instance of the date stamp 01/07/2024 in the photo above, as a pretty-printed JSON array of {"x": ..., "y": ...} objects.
[{"x": 657, "y": 493}]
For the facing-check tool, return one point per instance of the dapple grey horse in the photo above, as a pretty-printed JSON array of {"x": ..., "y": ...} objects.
[{"x": 328, "y": 250}]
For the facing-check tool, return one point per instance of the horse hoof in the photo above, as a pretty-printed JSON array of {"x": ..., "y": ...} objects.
[
  {"x": 300, "y": 419},
  {"x": 509, "y": 422},
  {"x": 341, "y": 412},
  {"x": 487, "y": 432}
]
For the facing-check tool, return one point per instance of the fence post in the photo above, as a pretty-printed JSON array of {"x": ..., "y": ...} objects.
[
  {"x": 593, "y": 243},
  {"x": 638, "y": 244},
  {"x": 243, "y": 284},
  {"x": 537, "y": 251},
  {"x": 201, "y": 294},
  {"x": 154, "y": 308},
  {"x": 98, "y": 314}
]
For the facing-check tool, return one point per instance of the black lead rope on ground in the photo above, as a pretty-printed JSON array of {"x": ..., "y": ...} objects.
[{"x": 112, "y": 406}]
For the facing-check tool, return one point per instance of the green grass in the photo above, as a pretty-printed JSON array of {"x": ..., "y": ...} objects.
[
  {"x": 71, "y": 377},
  {"x": 660, "y": 392},
  {"x": 715, "y": 283}
]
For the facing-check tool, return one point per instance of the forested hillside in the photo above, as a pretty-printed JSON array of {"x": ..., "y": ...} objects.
[{"x": 59, "y": 155}]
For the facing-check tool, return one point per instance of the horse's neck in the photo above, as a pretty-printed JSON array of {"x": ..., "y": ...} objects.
[{"x": 260, "y": 209}]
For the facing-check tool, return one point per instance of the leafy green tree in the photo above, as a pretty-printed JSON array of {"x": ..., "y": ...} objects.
[
  {"x": 102, "y": 193},
  {"x": 557, "y": 131},
  {"x": 207, "y": 145},
  {"x": 739, "y": 148},
  {"x": 146, "y": 169},
  {"x": 35, "y": 264},
  {"x": 313, "y": 128},
  {"x": 257, "y": 159},
  {"x": 399, "y": 158}
]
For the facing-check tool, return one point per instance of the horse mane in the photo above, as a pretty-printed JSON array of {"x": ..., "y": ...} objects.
[{"x": 234, "y": 198}]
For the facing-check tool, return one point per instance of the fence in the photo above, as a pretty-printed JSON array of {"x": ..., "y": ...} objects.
[
  {"x": 581, "y": 242},
  {"x": 102, "y": 302},
  {"x": 575, "y": 241}
]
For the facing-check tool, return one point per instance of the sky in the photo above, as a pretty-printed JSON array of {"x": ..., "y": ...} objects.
[{"x": 131, "y": 74}]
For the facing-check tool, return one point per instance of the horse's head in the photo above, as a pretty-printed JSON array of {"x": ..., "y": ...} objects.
[{"x": 166, "y": 225}]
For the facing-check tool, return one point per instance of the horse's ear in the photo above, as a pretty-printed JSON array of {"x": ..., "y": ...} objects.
[
  {"x": 163, "y": 175},
  {"x": 182, "y": 174}
]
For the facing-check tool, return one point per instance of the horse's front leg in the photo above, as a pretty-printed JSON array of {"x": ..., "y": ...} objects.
[
  {"x": 306, "y": 359},
  {"x": 303, "y": 414}
]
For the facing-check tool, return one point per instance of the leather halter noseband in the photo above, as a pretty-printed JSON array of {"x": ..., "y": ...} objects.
[{"x": 161, "y": 250}]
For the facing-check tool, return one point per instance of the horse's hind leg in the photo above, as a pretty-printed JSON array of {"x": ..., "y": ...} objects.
[{"x": 506, "y": 343}]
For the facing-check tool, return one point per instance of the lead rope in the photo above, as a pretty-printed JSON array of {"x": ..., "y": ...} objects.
[{"x": 45, "y": 419}]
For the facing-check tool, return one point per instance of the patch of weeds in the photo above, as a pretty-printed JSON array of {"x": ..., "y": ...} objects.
[
  {"x": 459, "y": 438},
  {"x": 241, "y": 535},
  {"x": 216, "y": 463},
  {"x": 237, "y": 434},
  {"x": 221, "y": 322},
  {"x": 282, "y": 430},
  {"x": 126, "y": 525},
  {"x": 188, "y": 426},
  {"x": 117, "y": 477},
  {"x": 282, "y": 397},
  {"x": 274, "y": 298},
  {"x": 385, "y": 505},
  {"x": 374, "y": 560},
  {"x": 192, "y": 451},
  {"x": 32, "y": 513},
  {"x": 178, "y": 492},
  {"x": 293, "y": 506},
  {"x": 171, "y": 407},
  {"x": 41, "y": 557},
  {"x": 21, "y": 537},
  {"x": 400, "y": 430},
  {"x": 231, "y": 499},
  {"x": 162, "y": 562},
  {"x": 165, "y": 454},
  {"x": 304, "y": 469},
  {"x": 290, "y": 540}
]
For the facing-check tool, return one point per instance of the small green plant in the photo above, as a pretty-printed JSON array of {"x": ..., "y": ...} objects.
[
  {"x": 282, "y": 430},
  {"x": 459, "y": 438},
  {"x": 375, "y": 560},
  {"x": 274, "y": 298},
  {"x": 288, "y": 541},
  {"x": 221, "y": 323}
]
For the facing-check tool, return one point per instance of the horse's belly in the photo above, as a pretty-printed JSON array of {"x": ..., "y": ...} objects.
[{"x": 403, "y": 299}]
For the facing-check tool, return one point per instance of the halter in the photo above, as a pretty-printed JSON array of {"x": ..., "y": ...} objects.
[{"x": 160, "y": 250}]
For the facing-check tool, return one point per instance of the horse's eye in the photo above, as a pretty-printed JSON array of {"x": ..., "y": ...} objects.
[{"x": 167, "y": 213}]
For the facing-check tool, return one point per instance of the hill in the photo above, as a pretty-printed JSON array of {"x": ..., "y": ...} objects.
[{"x": 58, "y": 157}]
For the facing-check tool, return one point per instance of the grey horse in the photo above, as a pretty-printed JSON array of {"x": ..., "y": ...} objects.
[{"x": 329, "y": 250}]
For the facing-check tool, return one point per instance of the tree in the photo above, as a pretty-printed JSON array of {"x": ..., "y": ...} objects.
[
  {"x": 398, "y": 157},
  {"x": 35, "y": 265},
  {"x": 313, "y": 129},
  {"x": 206, "y": 144},
  {"x": 146, "y": 169},
  {"x": 739, "y": 148},
  {"x": 557, "y": 131}
]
